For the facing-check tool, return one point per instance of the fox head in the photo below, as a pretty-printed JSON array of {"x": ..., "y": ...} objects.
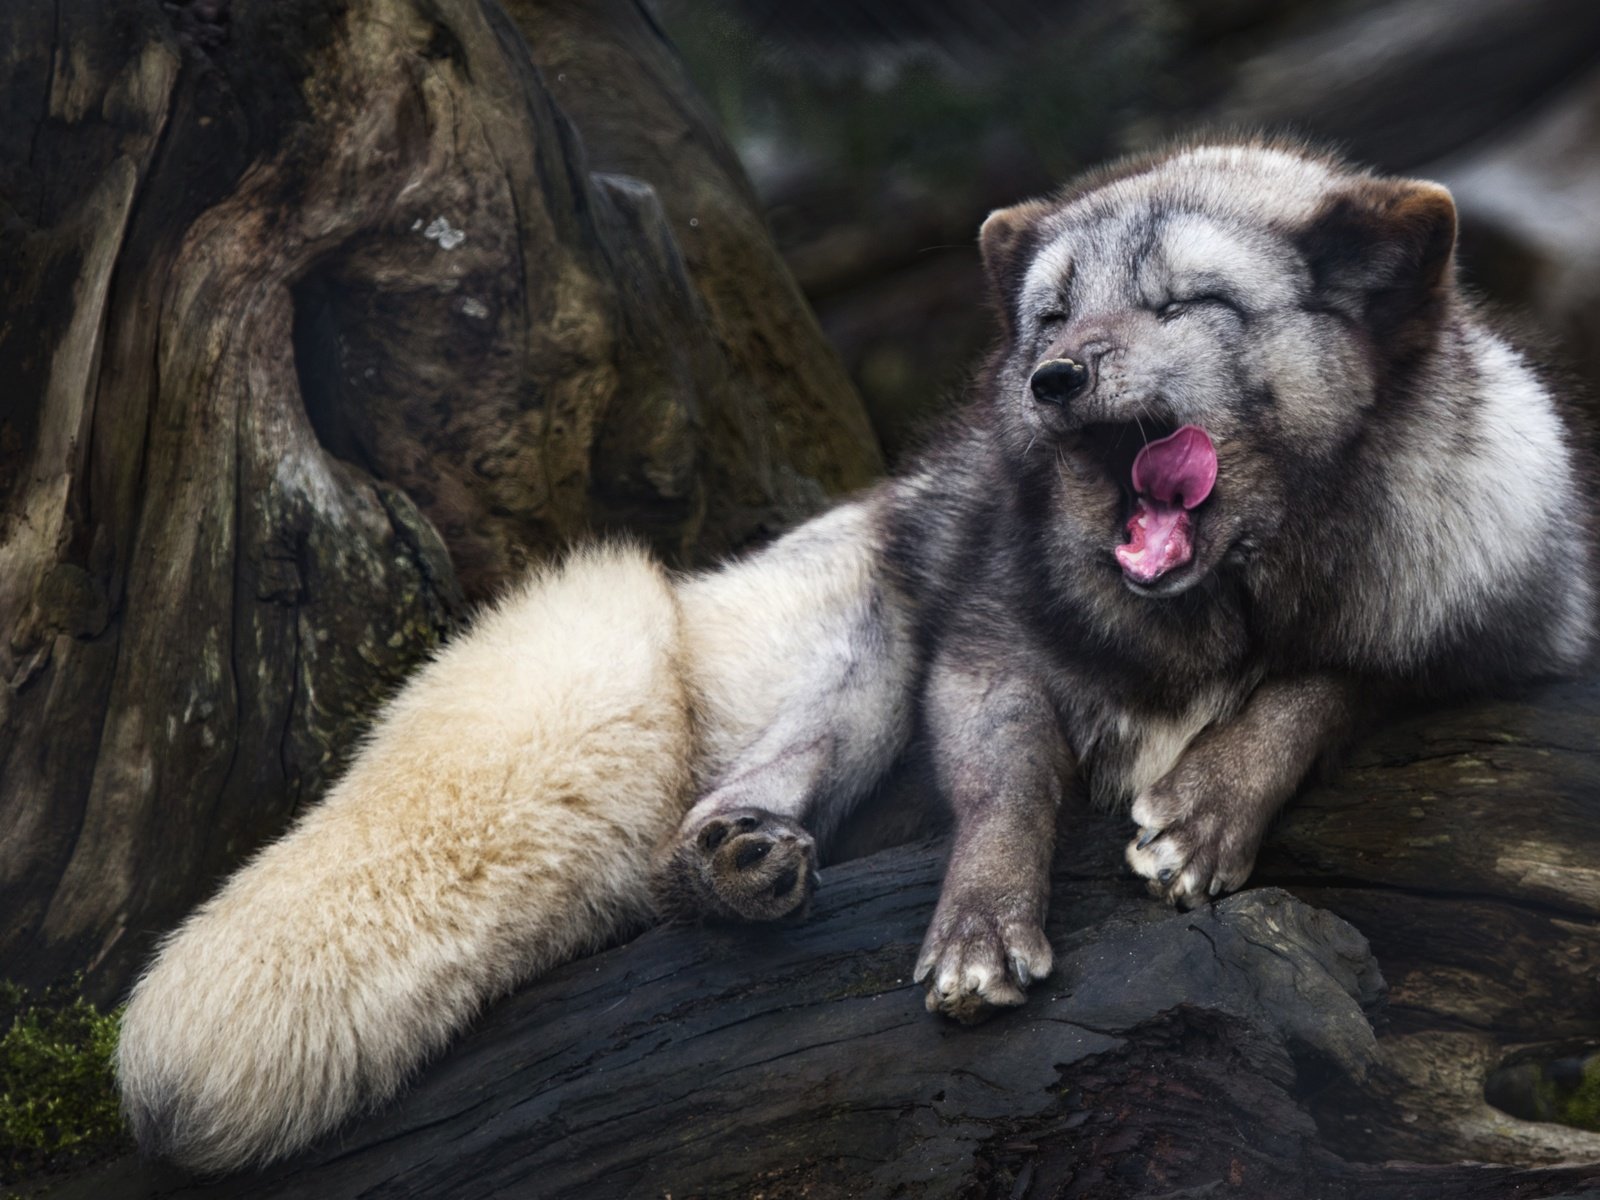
[{"x": 1197, "y": 340}]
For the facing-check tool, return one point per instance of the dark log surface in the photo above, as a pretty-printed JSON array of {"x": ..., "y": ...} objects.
[
  {"x": 1465, "y": 843},
  {"x": 1242, "y": 1050}
]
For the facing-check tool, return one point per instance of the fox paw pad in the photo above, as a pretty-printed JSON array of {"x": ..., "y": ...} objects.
[{"x": 742, "y": 864}]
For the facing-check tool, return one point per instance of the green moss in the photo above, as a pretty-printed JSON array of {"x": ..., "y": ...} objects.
[
  {"x": 1582, "y": 1107},
  {"x": 1564, "y": 1088},
  {"x": 58, "y": 1101}
]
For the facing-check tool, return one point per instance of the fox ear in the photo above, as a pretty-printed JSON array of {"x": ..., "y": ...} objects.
[
  {"x": 1385, "y": 249},
  {"x": 1007, "y": 240}
]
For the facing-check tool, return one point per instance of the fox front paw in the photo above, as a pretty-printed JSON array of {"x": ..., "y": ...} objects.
[
  {"x": 741, "y": 864},
  {"x": 1190, "y": 849},
  {"x": 979, "y": 956}
]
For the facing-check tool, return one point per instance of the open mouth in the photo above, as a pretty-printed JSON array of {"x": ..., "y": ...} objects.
[{"x": 1167, "y": 478}]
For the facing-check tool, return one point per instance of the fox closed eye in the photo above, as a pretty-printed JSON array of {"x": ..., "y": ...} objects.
[{"x": 1178, "y": 307}]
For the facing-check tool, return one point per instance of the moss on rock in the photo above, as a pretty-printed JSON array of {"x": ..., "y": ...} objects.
[{"x": 58, "y": 1099}]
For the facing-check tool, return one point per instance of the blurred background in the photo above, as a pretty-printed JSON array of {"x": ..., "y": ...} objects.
[{"x": 878, "y": 133}]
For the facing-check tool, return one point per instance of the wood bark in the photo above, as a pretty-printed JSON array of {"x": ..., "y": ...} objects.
[{"x": 321, "y": 323}]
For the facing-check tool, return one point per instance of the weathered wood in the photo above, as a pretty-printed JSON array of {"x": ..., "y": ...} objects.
[
  {"x": 318, "y": 323},
  {"x": 1228, "y": 1048},
  {"x": 801, "y": 1061},
  {"x": 788, "y": 426},
  {"x": 1465, "y": 843},
  {"x": 1166, "y": 1052}
]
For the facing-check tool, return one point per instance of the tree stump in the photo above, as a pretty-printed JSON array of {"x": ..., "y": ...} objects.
[{"x": 320, "y": 324}]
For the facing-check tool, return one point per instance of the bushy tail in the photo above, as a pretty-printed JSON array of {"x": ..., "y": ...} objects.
[{"x": 500, "y": 819}]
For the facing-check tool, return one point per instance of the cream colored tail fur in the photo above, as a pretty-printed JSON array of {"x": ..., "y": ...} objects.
[{"x": 499, "y": 820}]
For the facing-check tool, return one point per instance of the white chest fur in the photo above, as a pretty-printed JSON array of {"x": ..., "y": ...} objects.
[{"x": 1140, "y": 748}]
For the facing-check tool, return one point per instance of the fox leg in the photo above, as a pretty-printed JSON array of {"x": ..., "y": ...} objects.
[
  {"x": 803, "y": 666},
  {"x": 1002, "y": 761},
  {"x": 1201, "y": 824}
]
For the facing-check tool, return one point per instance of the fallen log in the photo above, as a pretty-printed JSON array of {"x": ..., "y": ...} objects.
[{"x": 1244, "y": 1049}]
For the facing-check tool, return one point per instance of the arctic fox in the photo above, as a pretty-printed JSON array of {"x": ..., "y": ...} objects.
[{"x": 1243, "y": 459}]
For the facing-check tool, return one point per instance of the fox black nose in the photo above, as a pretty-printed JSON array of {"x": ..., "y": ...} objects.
[{"x": 1059, "y": 380}]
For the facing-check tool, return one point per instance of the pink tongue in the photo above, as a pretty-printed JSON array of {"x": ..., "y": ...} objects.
[
  {"x": 1181, "y": 468},
  {"x": 1170, "y": 477}
]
